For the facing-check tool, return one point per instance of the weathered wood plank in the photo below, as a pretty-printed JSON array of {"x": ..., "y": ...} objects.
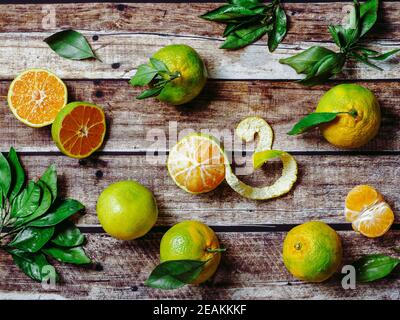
[
  {"x": 319, "y": 193},
  {"x": 308, "y": 21},
  {"x": 121, "y": 53},
  {"x": 133, "y": 124},
  {"x": 252, "y": 268}
]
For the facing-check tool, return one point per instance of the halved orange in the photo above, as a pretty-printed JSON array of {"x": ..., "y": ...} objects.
[
  {"x": 36, "y": 96},
  {"x": 369, "y": 213},
  {"x": 79, "y": 129},
  {"x": 196, "y": 163}
]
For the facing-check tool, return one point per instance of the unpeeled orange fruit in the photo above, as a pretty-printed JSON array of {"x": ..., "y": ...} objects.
[
  {"x": 79, "y": 129},
  {"x": 312, "y": 251},
  {"x": 36, "y": 96},
  {"x": 369, "y": 214},
  {"x": 196, "y": 163},
  {"x": 192, "y": 240}
]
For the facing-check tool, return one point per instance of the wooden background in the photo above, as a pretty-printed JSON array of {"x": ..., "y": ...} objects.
[{"x": 242, "y": 83}]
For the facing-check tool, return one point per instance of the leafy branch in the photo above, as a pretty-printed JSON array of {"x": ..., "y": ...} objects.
[
  {"x": 319, "y": 63},
  {"x": 33, "y": 221},
  {"x": 156, "y": 74},
  {"x": 249, "y": 20}
]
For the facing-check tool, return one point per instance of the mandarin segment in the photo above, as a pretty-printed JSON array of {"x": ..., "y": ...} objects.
[
  {"x": 196, "y": 164},
  {"x": 79, "y": 129},
  {"x": 359, "y": 198},
  {"x": 369, "y": 213},
  {"x": 36, "y": 96}
]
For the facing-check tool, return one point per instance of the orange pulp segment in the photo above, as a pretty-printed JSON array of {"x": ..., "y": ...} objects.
[
  {"x": 36, "y": 96},
  {"x": 369, "y": 213}
]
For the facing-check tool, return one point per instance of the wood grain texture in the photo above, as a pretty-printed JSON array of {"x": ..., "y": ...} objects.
[
  {"x": 252, "y": 268},
  {"x": 318, "y": 194},
  {"x": 134, "y": 125},
  {"x": 308, "y": 21},
  {"x": 19, "y": 51}
]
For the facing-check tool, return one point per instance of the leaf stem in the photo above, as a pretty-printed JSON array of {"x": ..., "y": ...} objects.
[{"x": 210, "y": 250}]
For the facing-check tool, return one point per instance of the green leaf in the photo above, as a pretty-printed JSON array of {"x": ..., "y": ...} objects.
[
  {"x": 74, "y": 255},
  {"x": 150, "y": 93},
  {"x": 373, "y": 267},
  {"x": 26, "y": 202},
  {"x": 62, "y": 211},
  {"x": 278, "y": 32},
  {"x": 244, "y": 36},
  {"x": 70, "y": 44},
  {"x": 68, "y": 235},
  {"x": 32, "y": 239},
  {"x": 174, "y": 274},
  {"x": 17, "y": 174},
  {"x": 304, "y": 62},
  {"x": 364, "y": 60},
  {"x": 144, "y": 75},
  {"x": 45, "y": 203},
  {"x": 312, "y": 120},
  {"x": 384, "y": 56},
  {"x": 232, "y": 13},
  {"x": 159, "y": 65},
  {"x": 324, "y": 69},
  {"x": 49, "y": 177},
  {"x": 31, "y": 264},
  {"x": 368, "y": 15},
  {"x": 5, "y": 175}
]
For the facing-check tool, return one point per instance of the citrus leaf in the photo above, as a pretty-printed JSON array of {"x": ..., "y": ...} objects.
[
  {"x": 32, "y": 239},
  {"x": 368, "y": 15},
  {"x": 31, "y": 264},
  {"x": 304, "y": 62},
  {"x": 49, "y": 177},
  {"x": 45, "y": 203},
  {"x": 278, "y": 32},
  {"x": 373, "y": 267},
  {"x": 159, "y": 65},
  {"x": 62, "y": 211},
  {"x": 384, "y": 56},
  {"x": 174, "y": 274},
  {"x": 68, "y": 235},
  {"x": 232, "y": 13},
  {"x": 150, "y": 93},
  {"x": 26, "y": 202},
  {"x": 70, "y": 44},
  {"x": 324, "y": 69},
  {"x": 245, "y": 36},
  {"x": 74, "y": 255},
  {"x": 5, "y": 175},
  {"x": 17, "y": 173},
  {"x": 143, "y": 75},
  {"x": 312, "y": 120}
]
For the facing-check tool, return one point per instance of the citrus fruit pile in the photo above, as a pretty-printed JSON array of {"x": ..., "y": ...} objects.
[
  {"x": 198, "y": 164},
  {"x": 368, "y": 212},
  {"x": 38, "y": 98}
]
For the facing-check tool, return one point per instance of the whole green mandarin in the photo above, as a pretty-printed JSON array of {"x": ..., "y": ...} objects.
[
  {"x": 193, "y": 73},
  {"x": 127, "y": 210}
]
